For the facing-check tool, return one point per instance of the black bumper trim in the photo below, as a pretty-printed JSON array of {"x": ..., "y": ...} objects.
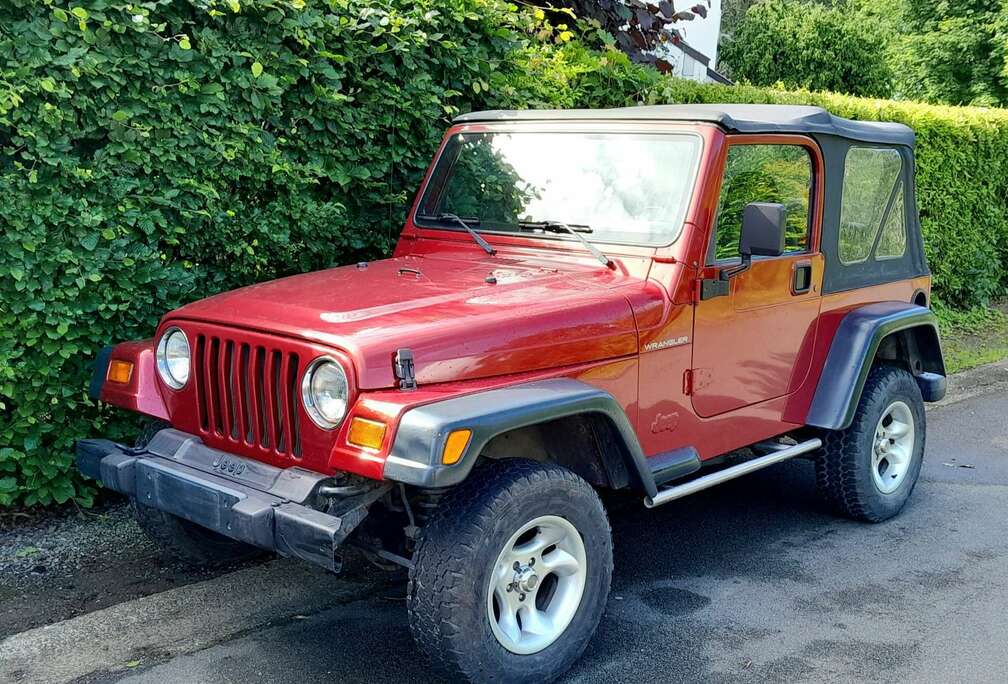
[
  {"x": 99, "y": 372},
  {"x": 932, "y": 386},
  {"x": 179, "y": 484}
]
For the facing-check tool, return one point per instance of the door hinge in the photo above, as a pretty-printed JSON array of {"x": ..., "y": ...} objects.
[{"x": 713, "y": 287}]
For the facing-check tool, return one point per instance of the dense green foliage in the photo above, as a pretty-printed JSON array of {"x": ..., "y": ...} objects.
[
  {"x": 156, "y": 152},
  {"x": 952, "y": 52},
  {"x": 807, "y": 45},
  {"x": 926, "y": 50}
]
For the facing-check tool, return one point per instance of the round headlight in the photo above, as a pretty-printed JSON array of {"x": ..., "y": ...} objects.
[
  {"x": 173, "y": 358},
  {"x": 324, "y": 391}
]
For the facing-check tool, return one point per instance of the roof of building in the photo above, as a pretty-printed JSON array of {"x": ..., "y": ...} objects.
[{"x": 735, "y": 118}]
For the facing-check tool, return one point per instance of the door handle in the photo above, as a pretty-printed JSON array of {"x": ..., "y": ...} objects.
[{"x": 801, "y": 278}]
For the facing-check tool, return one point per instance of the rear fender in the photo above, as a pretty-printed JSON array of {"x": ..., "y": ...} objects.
[
  {"x": 892, "y": 332},
  {"x": 416, "y": 454},
  {"x": 141, "y": 392}
]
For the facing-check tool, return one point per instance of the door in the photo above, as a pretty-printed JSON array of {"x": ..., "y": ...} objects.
[{"x": 753, "y": 335}]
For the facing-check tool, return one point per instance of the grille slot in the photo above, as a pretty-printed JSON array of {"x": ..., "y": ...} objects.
[{"x": 248, "y": 394}]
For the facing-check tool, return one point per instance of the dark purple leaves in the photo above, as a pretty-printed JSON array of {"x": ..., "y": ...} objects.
[{"x": 639, "y": 26}]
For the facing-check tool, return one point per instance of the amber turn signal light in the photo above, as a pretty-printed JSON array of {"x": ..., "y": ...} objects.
[
  {"x": 120, "y": 371},
  {"x": 455, "y": 445},
  {"x": 366, "y": 433}
]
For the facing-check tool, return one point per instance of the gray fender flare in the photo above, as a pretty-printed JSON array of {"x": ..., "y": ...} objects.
[
  {"x": 854, "y": 348},
  {"x": 415, "y": 456}
]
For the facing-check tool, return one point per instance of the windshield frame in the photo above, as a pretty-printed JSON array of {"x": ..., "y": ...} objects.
[{"x": 630, "y": 128}]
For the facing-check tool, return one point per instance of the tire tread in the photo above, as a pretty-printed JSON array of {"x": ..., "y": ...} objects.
[
  {"x": 439, "y": 584},
  {"x": 837, "y": 474}
]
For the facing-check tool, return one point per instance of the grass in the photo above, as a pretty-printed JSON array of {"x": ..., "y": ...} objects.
[{"x": 975, "y": 337}]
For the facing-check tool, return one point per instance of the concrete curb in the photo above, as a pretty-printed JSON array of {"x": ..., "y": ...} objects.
[{"x": 182, "y": 620}]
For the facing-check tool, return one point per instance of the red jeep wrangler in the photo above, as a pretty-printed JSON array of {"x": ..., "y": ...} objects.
[{"x": 657, "y": 299}]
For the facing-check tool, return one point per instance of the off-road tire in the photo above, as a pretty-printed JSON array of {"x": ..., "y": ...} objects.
[
  {"x": 458, "y": 547},
  {"x": 844, "y": 464},
  {"x": 180, "y": 539},
  {"x": 188, "y": 542}
]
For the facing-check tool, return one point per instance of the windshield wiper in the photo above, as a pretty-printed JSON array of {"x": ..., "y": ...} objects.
[
  {"x": 556, "y": 226},
  {"x": 444, "y": 216},
  {"x": 574, "y": 229}
]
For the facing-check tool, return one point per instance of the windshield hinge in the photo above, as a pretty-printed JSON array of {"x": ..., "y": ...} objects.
[{"x": 404, "y": 370}]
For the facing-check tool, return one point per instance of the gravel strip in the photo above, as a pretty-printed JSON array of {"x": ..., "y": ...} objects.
[
  {"x": 64, "y": 564},
  {"x": 63, "y": 544}
]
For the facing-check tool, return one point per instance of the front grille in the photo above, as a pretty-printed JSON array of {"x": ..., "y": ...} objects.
[{"x": 248, "y": 394}]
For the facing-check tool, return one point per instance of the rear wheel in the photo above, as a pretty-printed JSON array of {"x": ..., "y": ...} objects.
[
  {"x": 180, "y": 539},
  {"x": 511, "y": 574},
  {"x": 869, "y": 470}
]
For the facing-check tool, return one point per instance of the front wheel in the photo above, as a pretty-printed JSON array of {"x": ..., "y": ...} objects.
[
  {"x": 194, "y": 545},
  {"x": 511, "y": 574},
  {"x": 179, "y": 539},
  {"x": 869, "y": 470}
]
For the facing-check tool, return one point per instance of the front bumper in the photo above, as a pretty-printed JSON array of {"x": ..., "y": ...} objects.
[{"x": 272, "y": 508}]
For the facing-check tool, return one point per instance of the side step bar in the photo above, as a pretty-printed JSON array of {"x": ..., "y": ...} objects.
[{"x": 707, "y": 481}]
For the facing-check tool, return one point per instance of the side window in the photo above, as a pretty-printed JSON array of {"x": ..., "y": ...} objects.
[
  {"x": 764, "y": 173},
  {"x": 871, "y": 176},
  {"x": 892, "y": 243}
]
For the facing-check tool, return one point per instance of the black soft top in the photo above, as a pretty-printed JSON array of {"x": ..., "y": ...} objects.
[{"x": 734, "y": 118}]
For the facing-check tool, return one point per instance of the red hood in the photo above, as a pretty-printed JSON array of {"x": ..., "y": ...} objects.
[{"x": 539, "y": 314}]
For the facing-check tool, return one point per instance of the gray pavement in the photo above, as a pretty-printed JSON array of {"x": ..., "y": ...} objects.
[{"x": 750, "y": 582}]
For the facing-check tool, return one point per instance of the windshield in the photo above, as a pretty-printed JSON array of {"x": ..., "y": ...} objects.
[{"x": 618, "y": 187}]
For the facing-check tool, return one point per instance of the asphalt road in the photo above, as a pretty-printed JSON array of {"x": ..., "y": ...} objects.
[{"x": 751, "y": 582}]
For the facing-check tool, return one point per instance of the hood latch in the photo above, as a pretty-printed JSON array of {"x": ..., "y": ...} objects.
[{"x": 404, "y": 370}]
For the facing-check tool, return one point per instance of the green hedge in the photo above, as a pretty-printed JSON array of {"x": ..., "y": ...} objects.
[
  {"x": 156, "y": 152},
  {"x": 152, "y": 153},
  {"x": 810, "y": 45}
]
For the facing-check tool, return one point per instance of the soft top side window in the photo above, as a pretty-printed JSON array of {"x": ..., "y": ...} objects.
[
  {"x": 892, "y": 241},
  {"x": 778, "y": 173},
  {"x": 872, "y": 204}
]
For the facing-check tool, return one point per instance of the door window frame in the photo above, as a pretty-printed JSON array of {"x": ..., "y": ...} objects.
[{"x": 816, "y": 194}]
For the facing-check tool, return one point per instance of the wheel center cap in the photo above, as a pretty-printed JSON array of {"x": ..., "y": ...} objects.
[{"x": 526, "y": 579}]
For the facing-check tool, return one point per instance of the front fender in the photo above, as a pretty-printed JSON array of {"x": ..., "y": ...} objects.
[
  {"x": 141, "y": 392},
  {"x": 856, "y": 345},
  {"x": 415, "y": 456}
]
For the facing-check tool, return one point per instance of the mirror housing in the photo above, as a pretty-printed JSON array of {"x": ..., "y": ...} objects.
[
  {"x": 763, "y": 229},
  {"x": 763, "y": 226}
]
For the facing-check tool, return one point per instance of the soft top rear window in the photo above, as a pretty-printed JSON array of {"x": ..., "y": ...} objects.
[{"x": 871, "y": 192}]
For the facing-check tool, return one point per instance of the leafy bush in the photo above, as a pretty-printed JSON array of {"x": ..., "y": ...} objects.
[
  {"x": 952, "y": 52},
  {"x": 156, "y": 152},
  {"x": 807, "y": 45}
]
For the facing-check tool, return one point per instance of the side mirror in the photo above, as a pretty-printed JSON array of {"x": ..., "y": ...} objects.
[
  {"x": 763, "y": 229},
  {"x": 762, "y": 235}
]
